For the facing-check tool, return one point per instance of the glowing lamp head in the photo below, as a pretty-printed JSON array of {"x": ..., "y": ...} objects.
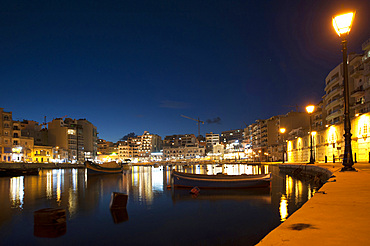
[
  {"x": 282, "y": 130},
  {"x": 310, "y": 109},
  {"x": 342, "y": 23}
]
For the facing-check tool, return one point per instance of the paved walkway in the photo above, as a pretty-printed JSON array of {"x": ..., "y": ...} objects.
[{"x": 339, "y": 214}]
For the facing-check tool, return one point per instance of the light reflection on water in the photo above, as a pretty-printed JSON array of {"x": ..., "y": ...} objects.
[{"x": 225, "y": 216}]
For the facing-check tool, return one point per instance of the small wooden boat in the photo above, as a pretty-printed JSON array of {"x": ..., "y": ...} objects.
[
  {"x": 105, "y": 168},
  {"x": 203, "y": 181}
]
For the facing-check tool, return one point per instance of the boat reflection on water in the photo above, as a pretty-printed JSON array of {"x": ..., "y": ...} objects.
[{"x": 254, "y": 195}]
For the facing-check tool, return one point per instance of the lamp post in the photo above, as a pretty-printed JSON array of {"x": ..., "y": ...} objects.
[
  {"x": 342, "y": 25},
  {"x": 310, "y": 109},
  {"x": 282, "y": 131}
]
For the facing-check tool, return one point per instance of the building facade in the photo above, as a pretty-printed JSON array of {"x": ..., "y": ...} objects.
[
  {"x": 211, "y": 140},
  {"x": 328, "y": 144},
  {"x": 69, "y": 134},
  {"x": 140, "y": 148}
]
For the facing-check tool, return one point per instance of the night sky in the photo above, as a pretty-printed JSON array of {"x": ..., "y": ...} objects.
[{"x": 130, "y": 66}]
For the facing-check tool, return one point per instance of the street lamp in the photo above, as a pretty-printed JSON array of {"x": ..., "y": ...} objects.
[
  {"x": 342, "y": 25},
  {"x": 310, "y": 109},
  {"x": 282, "y": 131}
]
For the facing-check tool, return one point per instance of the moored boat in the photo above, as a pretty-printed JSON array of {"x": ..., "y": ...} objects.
[
  {"x": 105, "y": 168},
  {"x": 223, "y": 181}
]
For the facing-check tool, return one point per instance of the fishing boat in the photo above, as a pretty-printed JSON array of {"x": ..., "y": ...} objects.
[
  {"x": 106, "y": 168},
  {"x": 223, "y": 181}
]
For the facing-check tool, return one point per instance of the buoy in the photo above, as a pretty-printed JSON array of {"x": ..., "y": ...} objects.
[{"x": 118, "y": 200}]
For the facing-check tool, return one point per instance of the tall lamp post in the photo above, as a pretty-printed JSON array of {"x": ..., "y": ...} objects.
[
  {"x": 310, "y": 109},
  {"x": 282, "y": 131},
  {"x": 342, "y": 25}
]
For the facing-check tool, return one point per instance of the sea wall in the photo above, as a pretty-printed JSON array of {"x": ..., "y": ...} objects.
[
  {"x": 306, "y": 170},
  {"x": 39, "y": 165}
]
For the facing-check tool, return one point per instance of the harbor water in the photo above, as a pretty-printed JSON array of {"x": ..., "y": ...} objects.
[{"x": 156, "y": 214}]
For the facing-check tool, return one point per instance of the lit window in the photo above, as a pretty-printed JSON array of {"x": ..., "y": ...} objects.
[{"x": 71, "y": 131}]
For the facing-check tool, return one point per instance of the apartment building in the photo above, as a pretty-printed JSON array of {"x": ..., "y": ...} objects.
[
  {"x": 90, "y": 139},
  {"x": 140, "y": 148},
  {"x": 211, "y": 140},
  {"x": 276, "y": 141},
  {"x": 183, "y": 152},
  {"x": 182, "y": 147},
  {"x": 180, "y": 140},
  {"x": 33, "y": 129},
  {"x": 22, "y": 145},
  {"x": 359, "y": 72},
  {"x": 333, "y": 98},
  {"x": 232, "y": 136},
  {"x": 106, "y": 147},
  {"x": 70, "y": 134},
  {"x": 6, "y": 142},
  {"x": 319, "y": 117},
  {"x": 259, "y": 139}
]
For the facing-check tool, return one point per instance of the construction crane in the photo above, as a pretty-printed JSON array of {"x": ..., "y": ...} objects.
[
  {"x": 44, "y": 124},
  {"x": 292, "y": 106},
  {"x": 197, "y": 120}
]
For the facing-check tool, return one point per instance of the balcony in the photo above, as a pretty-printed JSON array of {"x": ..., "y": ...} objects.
[
  {"x": 331, "y": 82},
  {"x": 357, "y": 71},
  {"x": 367, "y": 70},
  {"x": 333, "y": 92},
  {"x": 358, "y": 92},
  {"x": 334, "y": 103},
  {"x": 334, "y": 114}
]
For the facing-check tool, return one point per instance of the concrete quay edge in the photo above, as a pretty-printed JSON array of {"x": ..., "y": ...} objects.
[
  {"x": 39, "y": 165},
  {"x": 338, "y": 214}
]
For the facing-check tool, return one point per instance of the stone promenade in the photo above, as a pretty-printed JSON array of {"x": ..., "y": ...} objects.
[{"x": 338, "y": 214}]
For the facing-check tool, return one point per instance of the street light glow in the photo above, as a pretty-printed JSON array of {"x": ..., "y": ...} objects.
[
  {"x": 310, "y": 108},
  {"x": 282, "y": 130},
  {"x": 342, "y": 23}
]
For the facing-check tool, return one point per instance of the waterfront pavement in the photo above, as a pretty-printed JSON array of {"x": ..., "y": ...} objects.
[{"x": 338, "y": 214}]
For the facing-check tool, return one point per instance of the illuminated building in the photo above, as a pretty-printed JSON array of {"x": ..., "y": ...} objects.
[
  {"x": 140, "y": 148},
  {"x": 328, "y": 144},
  {"x": 182, "y": 147},
  {"x": 106, "y": 147},
  {"x": 183, "y": 152},
  {"x": 359, "y": 85},
  {"x": 42, "y": 154}
]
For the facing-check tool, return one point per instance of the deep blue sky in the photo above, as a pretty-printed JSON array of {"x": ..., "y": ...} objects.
[{"x": 130, "y": 66}]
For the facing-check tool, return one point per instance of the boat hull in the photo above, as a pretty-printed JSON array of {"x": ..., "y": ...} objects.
[
  {"x": 93, "y": 168},
  {"x": 187, "y": 180}
]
